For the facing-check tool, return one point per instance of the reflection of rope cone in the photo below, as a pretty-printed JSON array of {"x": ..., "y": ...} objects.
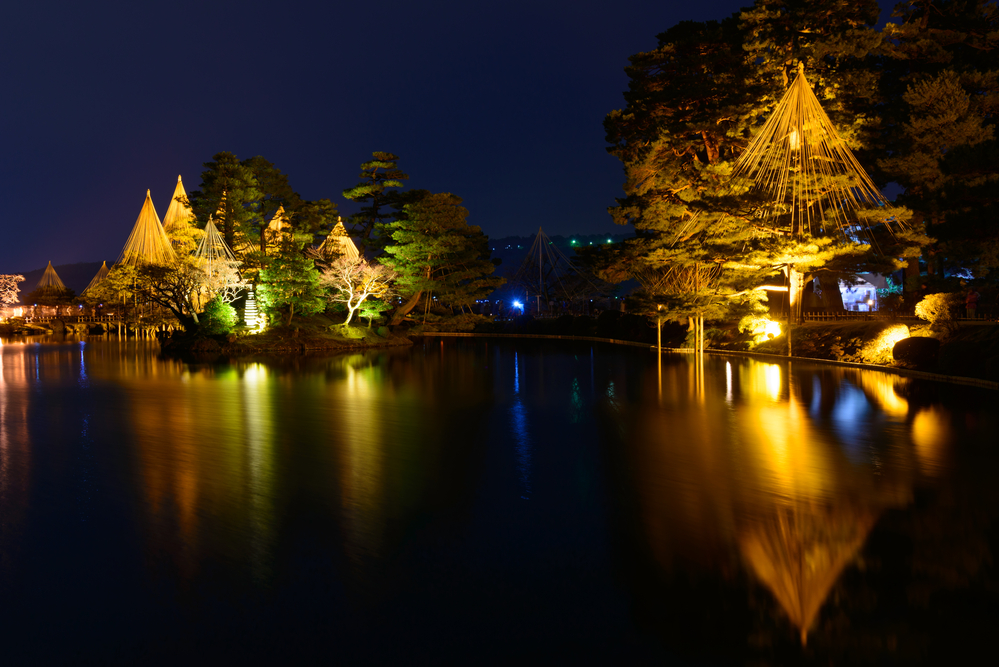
[{"x": 799, "y": 553}]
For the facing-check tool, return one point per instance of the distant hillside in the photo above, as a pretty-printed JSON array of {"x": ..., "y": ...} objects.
[{"x": 74, "y": 276}]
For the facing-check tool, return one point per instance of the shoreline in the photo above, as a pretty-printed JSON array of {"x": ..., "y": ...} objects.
[
  {"x": 292, "y": 343},
  {"x": 905, "y": 372}
]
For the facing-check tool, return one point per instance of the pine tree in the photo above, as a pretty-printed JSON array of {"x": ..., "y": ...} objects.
[
  {"x": 704, "y": 235},
  {"x": 436, "y": 253},
  {"x": 290, "y": 285},
  {"x": 941, "y": 82},
  {"x": 228, "y": 193},
  {"x": 373, "y": 193},
  {"x": 691, "y": 104}
]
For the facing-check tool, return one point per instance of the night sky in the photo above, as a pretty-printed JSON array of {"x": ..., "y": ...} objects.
[{"x": 499, "y": 103}]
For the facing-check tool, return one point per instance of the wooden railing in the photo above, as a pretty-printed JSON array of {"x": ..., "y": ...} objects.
[
  {"x": 884, "y": 315},
  {"x": 73, "y": 318},
  {"x": 831, "y": 315}
]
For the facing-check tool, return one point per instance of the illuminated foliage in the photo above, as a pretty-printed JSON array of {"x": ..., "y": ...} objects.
[
  {"x": 938, "y": 309},
  {"x": 290, "y": 284},
  {"x": 130, "y": 289},
  {"x": 879, "y": 350},
  {"x": 219, "y": 266},
  {"x": 352, "y": 280},
  {"x": 697, "y": 104},
  {"x": 9, "y": 288},
  {"x": 227, "y": 195},
  {"x": 690, "y": 105},
  {"x": 759, "y": 326},
  {"x": 436, "y": 253},
  {"x": 117, "y": 289},
  {"x": 172, "y": 286},
  {"x": 373, "y": 309},
  {"x": 218, "y": 318},
  {"x": 379, "y": 174},
  {"x": 243, "y": 197}
]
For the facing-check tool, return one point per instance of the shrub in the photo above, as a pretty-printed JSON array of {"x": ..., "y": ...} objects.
[
  {"x": 938, "y": 309},
  {"x": 760, "y": 327},
  {"x": 879, "y": 349},
  {"x": 218, "y": 318}
]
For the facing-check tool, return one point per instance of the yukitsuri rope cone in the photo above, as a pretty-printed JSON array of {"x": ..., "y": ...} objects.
[
  {"x": 277, "y": 232},
  {"x": 800, "y": 551},
  {"x": 178, "y": 215},
  {"x": 102, "y": 273},
  {"x": 550, "y": 275},
  {"x": 804, "y": 167},
  {"x": 213, "y": 255},
  {"x": 809, "y": 183},
  {"x": 805, "y": 171},
  {"x": 338, "y": 244},
  {"x": 219, "y": 266},
  {"x": 50, "y": 278},
  {"x": 147, "y": 243}
]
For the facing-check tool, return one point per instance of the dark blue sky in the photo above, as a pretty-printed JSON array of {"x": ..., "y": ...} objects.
[{"x": 499, "y": 103}]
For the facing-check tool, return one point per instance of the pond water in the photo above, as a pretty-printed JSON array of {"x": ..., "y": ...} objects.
[{"x": 489, "y": 501}]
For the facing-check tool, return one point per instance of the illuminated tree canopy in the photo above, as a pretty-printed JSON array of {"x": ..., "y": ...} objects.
[
  {"x": 352, "y": 281},
  {"x": 438, "y": 254},
  {"x": 9, "y": 288},
  {"x": 290, "y": 285},
  {"x": 737, "y": 171}
]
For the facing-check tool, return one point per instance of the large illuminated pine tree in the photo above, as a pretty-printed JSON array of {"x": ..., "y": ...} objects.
[
  {"x": 691, "y": 103},
  {"x": 809, "y": 202},
  {"x": 695, "y": 104}
]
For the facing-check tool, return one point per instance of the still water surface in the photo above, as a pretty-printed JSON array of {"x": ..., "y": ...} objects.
[{"x": 490, "y": 502}]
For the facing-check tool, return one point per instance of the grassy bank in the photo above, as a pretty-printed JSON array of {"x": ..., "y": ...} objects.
[{"x": 311, "y": 334}]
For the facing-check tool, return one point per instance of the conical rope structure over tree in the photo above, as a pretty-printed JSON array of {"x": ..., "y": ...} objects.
[
  {"x": 147, "y": 243},
  {"x": 219, "y": 264}
]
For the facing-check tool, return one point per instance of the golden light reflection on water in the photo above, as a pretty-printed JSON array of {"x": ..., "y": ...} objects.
[
  {"x": 205, "y": 449},
  {"x": 742, "y": 460},
  {"x": 362, "y": 472},
  {"x": 784, "y": 454},
  {"x": 15, "y": 446},
  {"x": 883, "y": 389},
  {"x": 931, "y": 434},
  {"x": 762, "y": 466},
  {"x": 761, "y": 380}
]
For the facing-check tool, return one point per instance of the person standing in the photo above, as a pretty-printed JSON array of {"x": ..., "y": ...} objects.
[{"x": 971, "y": 302}]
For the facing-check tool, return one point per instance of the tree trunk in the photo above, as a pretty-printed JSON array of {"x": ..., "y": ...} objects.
[
  {"x": 399, "y": 313},
  {"x": 832, "y": 298},
  {"x": 795, "y": 288},
  {"x": 795, "y": 291}
]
